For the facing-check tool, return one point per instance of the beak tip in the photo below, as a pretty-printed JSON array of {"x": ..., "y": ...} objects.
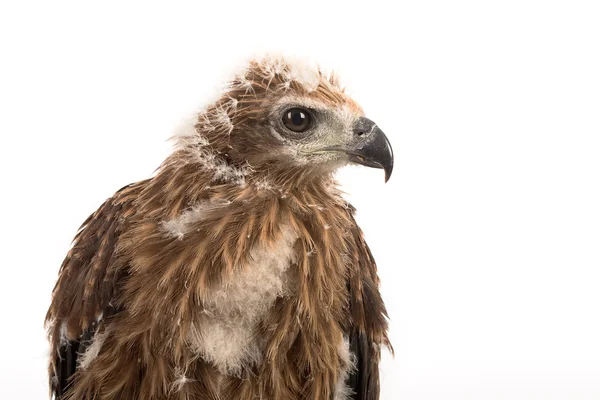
[
  {"x": 388, "y": 174},
  {"x": 372, "y": 150}
]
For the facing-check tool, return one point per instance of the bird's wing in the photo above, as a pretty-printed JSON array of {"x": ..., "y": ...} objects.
[
  {"x": 88, "y": 278},
  {"x": 368, "y": 328}
]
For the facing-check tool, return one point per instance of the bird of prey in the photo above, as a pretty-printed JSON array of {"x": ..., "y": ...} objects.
[{"x": 238, "y": 270}]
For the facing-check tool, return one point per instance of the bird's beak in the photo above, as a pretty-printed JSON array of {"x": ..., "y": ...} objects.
[{"x": 369, "y": 146}]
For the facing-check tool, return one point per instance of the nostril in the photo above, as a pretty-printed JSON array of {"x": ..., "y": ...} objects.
[{"x": 363, "y": 128}]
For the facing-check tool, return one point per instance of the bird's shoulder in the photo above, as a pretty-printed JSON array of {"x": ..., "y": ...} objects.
[{"x": 88, "y": 277}]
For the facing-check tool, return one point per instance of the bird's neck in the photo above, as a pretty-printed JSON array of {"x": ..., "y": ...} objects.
[{"x": 180, "y": 184}]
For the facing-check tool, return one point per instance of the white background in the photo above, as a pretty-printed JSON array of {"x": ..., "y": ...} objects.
[{"x": 487, "y": 236}]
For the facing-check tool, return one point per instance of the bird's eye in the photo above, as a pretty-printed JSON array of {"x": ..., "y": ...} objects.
[{"x": 297, "y": 119}]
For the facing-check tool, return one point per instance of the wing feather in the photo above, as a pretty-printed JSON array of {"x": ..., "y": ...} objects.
[
  {"x": 88, "y": 279},
  {"x": 368, "y": 328}
]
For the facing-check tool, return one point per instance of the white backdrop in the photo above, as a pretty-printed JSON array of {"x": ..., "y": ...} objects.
[{"x": 487, "y": 236}]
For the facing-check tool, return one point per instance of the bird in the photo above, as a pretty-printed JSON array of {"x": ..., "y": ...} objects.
[{"x": 237, "y": 270}]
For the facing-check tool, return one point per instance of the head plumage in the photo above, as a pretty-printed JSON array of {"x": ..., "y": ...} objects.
[
  {"x": 247, "y": 96},
  {"x": 222, "y": 129},
  {"x": 243, "y": 132}
]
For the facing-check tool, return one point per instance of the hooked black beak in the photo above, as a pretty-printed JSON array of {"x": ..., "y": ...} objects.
[{"x": 370, "y": 147}]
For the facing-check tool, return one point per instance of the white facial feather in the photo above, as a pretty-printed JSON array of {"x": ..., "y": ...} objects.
[
  {"x": 222, "y": 119},
  {"x": 302, "y": 70},
  {"x": 305, "y": 73},
  {"x": 335, "y": 131}
]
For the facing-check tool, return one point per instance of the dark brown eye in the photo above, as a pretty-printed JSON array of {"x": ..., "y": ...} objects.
[{"x": 296, "y": 119}]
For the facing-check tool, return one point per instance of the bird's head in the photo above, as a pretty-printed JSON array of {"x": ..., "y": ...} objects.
[{"x": 285, "y": 121}]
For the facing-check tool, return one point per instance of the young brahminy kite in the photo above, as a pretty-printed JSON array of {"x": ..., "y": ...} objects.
[{"x": 238, "y": 271}]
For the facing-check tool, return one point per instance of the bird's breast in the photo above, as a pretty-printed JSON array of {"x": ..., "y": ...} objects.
[{"x": 226, "y": 333}]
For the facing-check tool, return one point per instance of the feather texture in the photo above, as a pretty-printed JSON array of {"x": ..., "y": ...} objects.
[{"x": 223, "y": 242}]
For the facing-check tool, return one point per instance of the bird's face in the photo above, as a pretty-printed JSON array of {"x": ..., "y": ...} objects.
[
  {"x": 281, "y": 121},
  {"x": 316, "y": 134}
]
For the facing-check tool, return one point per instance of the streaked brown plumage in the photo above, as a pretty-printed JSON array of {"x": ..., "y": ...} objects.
[{"x": 142, "y": 281}]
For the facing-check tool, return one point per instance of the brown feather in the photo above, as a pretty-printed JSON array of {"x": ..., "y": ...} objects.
[{"x": 142, "y": 287}]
